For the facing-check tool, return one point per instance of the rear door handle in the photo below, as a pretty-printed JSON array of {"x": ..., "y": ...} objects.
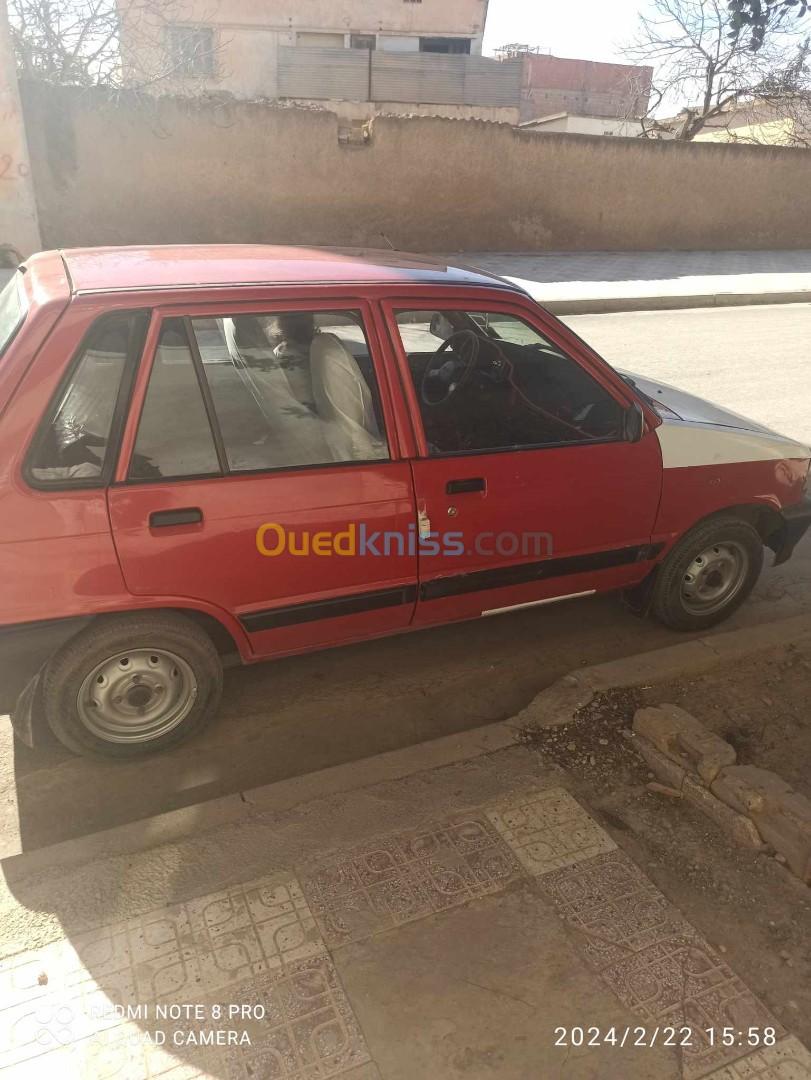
[
  {"x": 459, "y": 487},
  {"x": 188, "y": 515}
]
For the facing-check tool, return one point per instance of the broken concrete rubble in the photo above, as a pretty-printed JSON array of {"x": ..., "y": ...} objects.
[
  {"x": 685, "y": 740},
  {"x": 738, "y": 826},
  {"x": 757, "y": 808},
  {"x": 781, "y": 814},
  {"x": 669, "y": 772}
]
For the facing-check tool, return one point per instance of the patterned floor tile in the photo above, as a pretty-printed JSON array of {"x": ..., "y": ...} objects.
[
  {"x": 64, "y": 964},
  {"x": 408, "y": 876},
  {"x": 250, "y": 929},
  {"x": 788, "y": 1059},
  {"x": 616, "y": 908},
  {"x": 652, "y": 959},
  {"x": 310, "y": 1033},
  {"x": 124, "y": 1053},
  {"x": 72, "y": 997},
  {"x": 549, "y": 830},
  {"x": 30, "y": 1027}
]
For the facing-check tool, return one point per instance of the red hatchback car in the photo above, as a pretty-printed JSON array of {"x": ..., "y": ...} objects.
[{"x": 254, "y": 451}]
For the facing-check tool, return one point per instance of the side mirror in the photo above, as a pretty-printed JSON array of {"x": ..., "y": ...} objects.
[{"x": 634, "y": 424}]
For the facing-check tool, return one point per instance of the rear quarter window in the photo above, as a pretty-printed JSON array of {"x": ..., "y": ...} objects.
[
  {"x": 13, "y": 309},
  {"x": 76, "y": 444}
]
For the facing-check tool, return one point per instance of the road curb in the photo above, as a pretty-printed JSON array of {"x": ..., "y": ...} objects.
[
  {"x": 553, "y": 706},
  {"x": 174, "y": 826},
  {"x": 609, "y": 305},
  {"x": 558, "y": 703}
]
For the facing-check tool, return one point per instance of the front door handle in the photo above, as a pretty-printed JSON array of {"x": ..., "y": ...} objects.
[
  {"x": 188, "y": 515},
  {"x": 460, "y": 487}
]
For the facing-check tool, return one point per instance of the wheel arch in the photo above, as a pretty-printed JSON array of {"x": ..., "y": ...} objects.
[
  {"x": 765, "y": 517},
  {"x": 228, "y": 640},
  {"x": 27, "y": 715},
  {"x": 762, "y": 516}
]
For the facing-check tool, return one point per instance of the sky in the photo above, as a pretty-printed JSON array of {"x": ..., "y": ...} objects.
[{"x": 583, "y": 29}]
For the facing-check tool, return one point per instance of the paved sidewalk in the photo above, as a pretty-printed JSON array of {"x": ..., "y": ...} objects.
[
  {"x": 467, "y": 921},
  {"x": 597, "y": 281}
]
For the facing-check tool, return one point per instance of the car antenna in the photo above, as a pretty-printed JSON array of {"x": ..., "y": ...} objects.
[{"x": 393, "y": 248}]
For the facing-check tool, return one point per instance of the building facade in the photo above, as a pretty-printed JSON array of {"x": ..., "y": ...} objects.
[
  {"x": 358, "y": 59},
  {"x": 588, "y": 88},
  {"x": 235, "y": 45},
  {"x": 574, "y": 124}
]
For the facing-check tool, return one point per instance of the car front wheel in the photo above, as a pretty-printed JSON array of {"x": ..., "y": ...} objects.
[
  {"x": 708, "y": 574},
  {"x": 130, "y": 685}
]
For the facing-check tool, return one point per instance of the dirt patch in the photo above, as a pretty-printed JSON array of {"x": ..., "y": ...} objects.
[
  {"x": 595, "y": 746},
  {"x": 746, "y": 904}
]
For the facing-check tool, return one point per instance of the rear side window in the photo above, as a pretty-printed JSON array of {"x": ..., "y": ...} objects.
[
  {"x": 76, "y": 445},
  {"x": 291, "y": 389}
]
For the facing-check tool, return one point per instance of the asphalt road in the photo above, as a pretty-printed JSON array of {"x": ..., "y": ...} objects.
[
  {"x": 294, "y": 716},
  {"x": 753, "y": 360}
]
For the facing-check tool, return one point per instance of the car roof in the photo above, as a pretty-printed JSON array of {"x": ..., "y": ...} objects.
[{"x": 186, "y": 266}]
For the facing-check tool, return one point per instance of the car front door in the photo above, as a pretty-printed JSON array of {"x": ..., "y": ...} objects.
[
  {"x": 527, "y": 487},
  {"x": 256, "y": 461}
]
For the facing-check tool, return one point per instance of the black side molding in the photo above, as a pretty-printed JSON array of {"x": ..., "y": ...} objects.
[
  {"x": 503, "y": 576},
  {"x": 477, "y": 581},
  {"x": 328, "y": 609}
]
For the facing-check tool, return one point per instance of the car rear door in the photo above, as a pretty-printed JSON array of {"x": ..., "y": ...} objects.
[
  {"x": 249, "y": 485},
  {"x": 524, "y": 479}
]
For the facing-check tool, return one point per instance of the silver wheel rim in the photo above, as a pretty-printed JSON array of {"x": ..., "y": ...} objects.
[
  {"x": 137, "y": 695},
  {"x": 714, "y": 578}
]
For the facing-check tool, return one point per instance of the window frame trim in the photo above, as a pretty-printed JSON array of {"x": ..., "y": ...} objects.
[
  {"x": 392, "y": 305},
  {"x": 121, "y": 409},
  {"x": 138, "y": 403},
  {"x": 179, "y": 62},
  {"x": 208, "y": 400},
  {"x": 212, "y": 309}
]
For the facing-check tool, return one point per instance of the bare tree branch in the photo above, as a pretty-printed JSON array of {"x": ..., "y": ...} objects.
[
  {"x": 705, "y": 74},
  {"x": 79, "y": 42}
]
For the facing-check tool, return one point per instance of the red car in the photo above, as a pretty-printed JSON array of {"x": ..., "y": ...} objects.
[{"x": 254, "y": 451}]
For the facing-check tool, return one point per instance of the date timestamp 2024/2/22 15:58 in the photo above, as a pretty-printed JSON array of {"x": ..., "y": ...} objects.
[{"x": 685, "y": 1036}]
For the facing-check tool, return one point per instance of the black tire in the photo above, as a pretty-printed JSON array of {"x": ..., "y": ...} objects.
[
  {"x": 195, "y": 681},
  {"x": 671, "y": 606}
]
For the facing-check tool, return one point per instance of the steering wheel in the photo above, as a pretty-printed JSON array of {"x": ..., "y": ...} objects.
[{"x": 444, "y": 375}]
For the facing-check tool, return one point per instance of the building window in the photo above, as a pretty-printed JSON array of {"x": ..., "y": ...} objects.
[
  {"x": 315, "y": 40},
  {"x": 362, "y": 41},
  {"x": 445, "y": 45},
  {"x": 191, "y": 50}
]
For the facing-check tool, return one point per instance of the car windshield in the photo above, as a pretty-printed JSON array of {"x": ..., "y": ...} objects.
[{"x": 12, "y": 309}]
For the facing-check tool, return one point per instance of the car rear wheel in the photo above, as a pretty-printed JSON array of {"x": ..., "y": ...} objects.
[
  {"x": 708, "y": 574},
  {"x": 130, "y": 685}
]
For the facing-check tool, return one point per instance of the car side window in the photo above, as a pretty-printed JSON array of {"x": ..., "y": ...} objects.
[
  {"x": 490, "y": 381},
  {"x": 291, "y": 389},
  {"x": 76, "y": 444},
  {"x": 174, "y": 434}
]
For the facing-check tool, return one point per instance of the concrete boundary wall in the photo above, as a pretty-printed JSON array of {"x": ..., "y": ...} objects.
[{"x": 122, "y": 170}]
